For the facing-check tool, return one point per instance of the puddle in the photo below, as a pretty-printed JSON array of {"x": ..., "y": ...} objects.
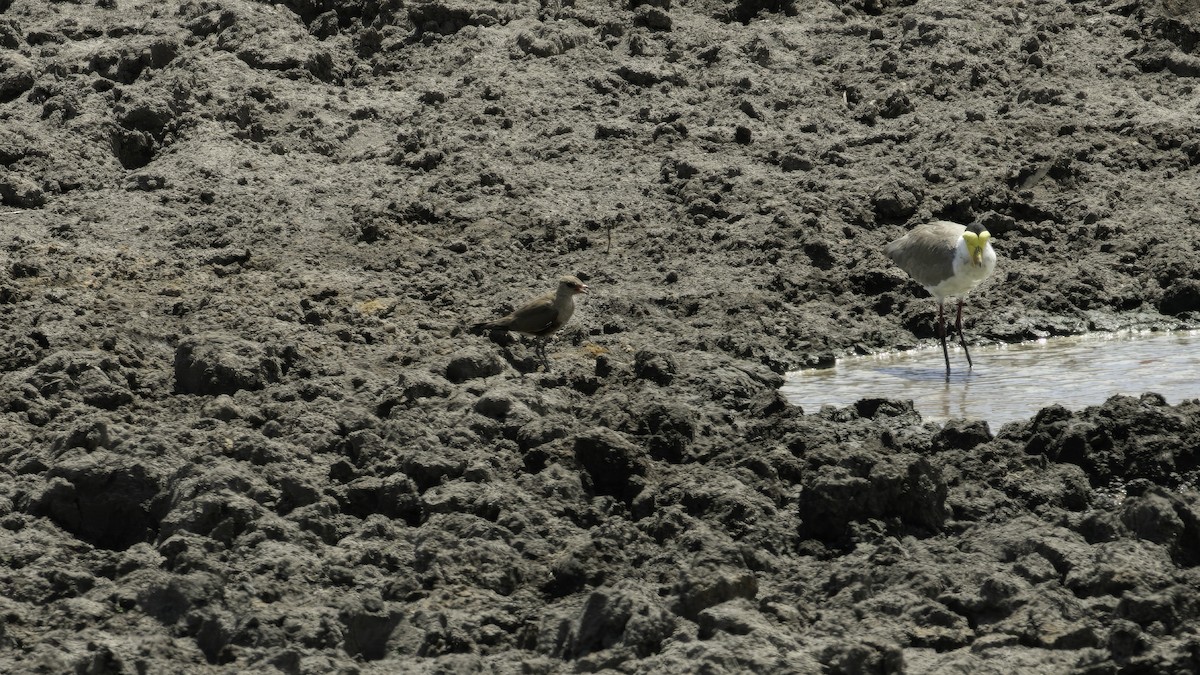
[{"x": 1011, "y": 382}]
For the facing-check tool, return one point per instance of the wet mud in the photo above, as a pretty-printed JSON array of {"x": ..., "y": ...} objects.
[{"x": 243, "y": 427}]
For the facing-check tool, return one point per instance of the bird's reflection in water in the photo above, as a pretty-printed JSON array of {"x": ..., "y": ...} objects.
[
  {"x": 922, "y": 373},
  {"x": 1012, "y": 382},
  {"x": 949, "y": 392}
]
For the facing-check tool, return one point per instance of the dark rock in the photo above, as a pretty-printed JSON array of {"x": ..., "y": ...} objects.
[
  {"x": 614, "y": 465},
  {"x": 654, "y": 18},
  {"x": 997, "y": 224},
  {"x": 215, "y": 630},
  {"x": 17, "y": 76},
  {"x": 654, "y": 366},
  {"x": 897, "y": 103},
  {"x": 279, "y": 51},
  {"x": 704, "y": 587},
  {"x": 410, "y": 388},
  {"x": 744, "y": 11},
  {"x": 1100, "y": 526},
  {"x": 368, "y": 43},
  {"x": 1035, "y": 568},
  {"x": 223, "y": 408},
  {"x": 125, "y": 61},
  {"x": 550, "y": 40},
  {"x": 872, "y": 408},
  {"x": 206, "y": 505},
  {"x": 1165, "y": 517},
  {"x": 609, "y": 131},
  {"x": 604, "y": 366},
  {"x": 470, "y": 364},
  {"x": 432, "y": 97},
  {"x": 135, "y": 149},
  {"x": 222, "y": 364},
  {"x": 1152, "y": 516},
  {"x": 216, "y": 517},
  {"x": 572, "y": 571},
  {"x": 539, "y": 431},
  {"x": 618, "y": 617},
  {"x": 424, "y": 160},
  {"x": 169, "y": 597},
  {"x": 447, "y": 17},
  {"x": 1002, "y": 593},
  {"x": 1125, "y": 640},
  {"x": 10, "y": 30},
  {"x": 795, "y": 161},
  {"x": 495, "y": 405},
  {"x": 1181, "y": 296},
  {"x": 367, "y": 631},
  {"x": 1126, "y": 437},
  {"x": 394, "y": 496},
  {"x": 737, "y": 617},
  {"x": 962, "y": 435},
  {"x": 98, "y": 390},
  {"x": 904, "y": 490},
  {"x": 1167, "y": 607},
  {"x": 296, "y": 493},
  {"x": 16, "y": 190},
  {"x": 895, "y": 203},
  {"x": 427, "y": 468},
  {"x": 104, "y": 499},
  {"x": 89, "y": 434},
  {"x": 723, "y": 500},
  {"x": 466, "y": 497},
  {"x": 96, "y": 377},
  {"x": 669, "y": 429},
  {"x": 461, "y": 548},
  {"x": 325, "y": 26},
  {"x": 1060, "y": 485},
  {"x": 868, "y": 656}
]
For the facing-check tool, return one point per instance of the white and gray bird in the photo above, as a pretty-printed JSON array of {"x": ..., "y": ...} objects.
[
  {"x": 949, "y": 260},
  {"x": 541, "y": 316}
]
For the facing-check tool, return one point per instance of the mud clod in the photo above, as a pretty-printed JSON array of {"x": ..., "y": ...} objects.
[{"x": 220, "y": 364}]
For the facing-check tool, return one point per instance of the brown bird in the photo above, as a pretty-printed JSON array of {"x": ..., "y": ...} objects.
[{"x": 541, "y": 316}]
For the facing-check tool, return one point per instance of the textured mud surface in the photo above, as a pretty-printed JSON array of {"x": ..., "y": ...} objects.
[{"x": 242, "y": 427}]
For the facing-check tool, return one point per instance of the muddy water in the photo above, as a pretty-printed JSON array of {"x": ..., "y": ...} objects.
[{"x": 1011, "y": 382}]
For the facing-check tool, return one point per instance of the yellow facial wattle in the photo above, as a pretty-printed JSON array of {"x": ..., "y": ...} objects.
[{"x": 975, "y": 245}]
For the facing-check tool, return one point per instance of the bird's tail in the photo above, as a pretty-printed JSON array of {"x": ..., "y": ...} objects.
[{"x": 498, "y": 324}]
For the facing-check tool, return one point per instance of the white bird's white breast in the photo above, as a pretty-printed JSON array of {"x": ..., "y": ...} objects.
[{"x": 967, "y": 274}]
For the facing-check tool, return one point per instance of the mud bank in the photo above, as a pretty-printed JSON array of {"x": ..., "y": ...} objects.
[{"x": 244, "y": 430}]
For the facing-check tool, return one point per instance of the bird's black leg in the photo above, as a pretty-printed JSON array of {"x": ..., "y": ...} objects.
[
  {"x": 541, "y": 351},
  {"x": 942, "y": 336},
  {"x": 962, "y": 340}
]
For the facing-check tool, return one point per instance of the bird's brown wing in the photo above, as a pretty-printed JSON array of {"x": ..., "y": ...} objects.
[
  {"x": 927, "y": 252},
  {"x": 539, "y": 317}
]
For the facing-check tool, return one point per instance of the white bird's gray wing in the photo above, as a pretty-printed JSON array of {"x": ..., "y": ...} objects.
[{"x": 927, "y": 252}]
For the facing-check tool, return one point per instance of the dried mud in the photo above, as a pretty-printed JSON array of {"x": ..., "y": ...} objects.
[{"x": 243, "y": 429}]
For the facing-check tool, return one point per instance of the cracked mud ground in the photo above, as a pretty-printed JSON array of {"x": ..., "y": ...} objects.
[{"x": 242, "y": 428}]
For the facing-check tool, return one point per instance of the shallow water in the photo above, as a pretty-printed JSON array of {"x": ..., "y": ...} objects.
[{"x": 1011, "y": 382}]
